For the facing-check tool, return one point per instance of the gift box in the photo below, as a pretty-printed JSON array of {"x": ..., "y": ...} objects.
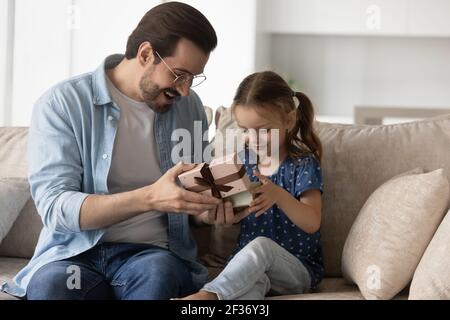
[
  {"x": 223, "y": 178},
  {"x": 242, "y": 200}
]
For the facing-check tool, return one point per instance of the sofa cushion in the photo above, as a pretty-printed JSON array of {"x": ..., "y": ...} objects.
[
  {"x": 392, "y": 231},
  {"x": 14, "y": 193},
  {"x": 22, "y": 238},
  {"x": 24, "y": 234},
  {"x": 13, "y": 152},
  {"x": 431, "y": 279},
  {"x": 357, "y": 159},
  {"x": 9, "y": 267}
]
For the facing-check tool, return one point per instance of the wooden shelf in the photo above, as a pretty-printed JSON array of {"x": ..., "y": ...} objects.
[{"x": 374, "y": 115}]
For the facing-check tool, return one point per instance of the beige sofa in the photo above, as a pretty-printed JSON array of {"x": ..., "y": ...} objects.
[{"x": 357, "y": 159}]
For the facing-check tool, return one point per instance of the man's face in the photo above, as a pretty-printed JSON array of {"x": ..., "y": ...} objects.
[{"x": 157, "y": 82}]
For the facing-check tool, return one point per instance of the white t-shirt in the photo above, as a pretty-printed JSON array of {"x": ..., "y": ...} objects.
[{"x": 135, "y": 164}]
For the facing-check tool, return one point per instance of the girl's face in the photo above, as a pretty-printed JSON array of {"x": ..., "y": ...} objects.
[{"x": 247, "y": 118}]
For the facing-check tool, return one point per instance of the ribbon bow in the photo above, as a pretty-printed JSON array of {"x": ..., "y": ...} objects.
[{"x": 207, "y": 180}]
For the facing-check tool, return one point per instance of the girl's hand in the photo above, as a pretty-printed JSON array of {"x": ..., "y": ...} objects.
[
  {"x": 223, "y": 215},
  {"x": 267, "y": 195}
]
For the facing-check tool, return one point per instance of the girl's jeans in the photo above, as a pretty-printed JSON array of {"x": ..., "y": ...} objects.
[{"x": 258, "y": 267}]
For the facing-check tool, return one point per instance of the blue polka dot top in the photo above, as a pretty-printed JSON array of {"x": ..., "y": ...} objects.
[{"x": 296, "y": 175}]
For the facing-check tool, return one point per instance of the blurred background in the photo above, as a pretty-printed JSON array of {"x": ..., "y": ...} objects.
[{"x": 378, "y": 61}]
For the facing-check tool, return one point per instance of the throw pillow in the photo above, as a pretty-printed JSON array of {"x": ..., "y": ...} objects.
[
  {"x": 431, "y": 280},
  {"x": 392, "y": 231}
]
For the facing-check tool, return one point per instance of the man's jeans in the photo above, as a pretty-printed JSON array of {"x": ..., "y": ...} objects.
[
  {"x": 113, "y": 271},
  {"x": 260, "y": 266}
]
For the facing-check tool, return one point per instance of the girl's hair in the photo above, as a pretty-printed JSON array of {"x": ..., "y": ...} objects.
[{"x": 269, "y": 94}]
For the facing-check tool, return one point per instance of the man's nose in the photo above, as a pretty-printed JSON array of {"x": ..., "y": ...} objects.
[{"x": 183, "y": 89}]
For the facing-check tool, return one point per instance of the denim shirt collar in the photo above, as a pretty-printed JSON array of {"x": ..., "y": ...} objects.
[{"x": 101, "y": 95}]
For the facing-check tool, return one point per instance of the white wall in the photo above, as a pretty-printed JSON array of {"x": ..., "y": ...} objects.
[
  {"x": 3, "y": 52},
  {"x": 339, "y": 72},
  {"x": 263, "y": 45},
  {"x": 104, "y": 27},
  {"x": 234, "y": 57},
  {"x": 41, "y": 53},
  {"x": 361, "y": 52},
  {"x": 6, "y": 8},
  {"x": 357, "y": 17},
  {"x": 56, "y": 39}
]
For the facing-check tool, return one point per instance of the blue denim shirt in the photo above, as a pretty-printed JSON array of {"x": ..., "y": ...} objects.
[{"x": 70, "y": 144}]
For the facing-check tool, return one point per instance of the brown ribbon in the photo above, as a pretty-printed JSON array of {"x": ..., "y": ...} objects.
[{"x": 207, "y": 181}]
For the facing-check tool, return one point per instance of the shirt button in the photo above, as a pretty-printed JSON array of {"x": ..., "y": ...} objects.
[
  {"x": 105, "y": 156},
  {"x": 110, "y": 118}
]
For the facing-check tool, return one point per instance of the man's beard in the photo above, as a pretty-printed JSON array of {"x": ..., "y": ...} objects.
[{"x": 151, "y": 91}]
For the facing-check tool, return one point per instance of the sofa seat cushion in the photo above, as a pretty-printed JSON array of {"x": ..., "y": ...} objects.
[
  {"x": 9, "y": 267},
  {"x": 333, "y": 289},
  {"x": 328, "y": 289},
  {"x": 348, "y": 295}
]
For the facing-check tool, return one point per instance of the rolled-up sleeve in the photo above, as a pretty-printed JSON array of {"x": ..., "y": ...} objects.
[{"x": 55, "y": 170}]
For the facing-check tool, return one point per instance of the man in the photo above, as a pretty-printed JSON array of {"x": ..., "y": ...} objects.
[{"x": 116, "y": 223}]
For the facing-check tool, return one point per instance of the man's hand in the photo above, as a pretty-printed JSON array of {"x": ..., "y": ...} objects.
[
  {"x": 101, "y": 211},
  {"x": 222, "y": 215},
  {"x": 166, "y": 196}
]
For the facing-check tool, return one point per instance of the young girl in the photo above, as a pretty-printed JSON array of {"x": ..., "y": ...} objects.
[{"x": 279, "y": 244}]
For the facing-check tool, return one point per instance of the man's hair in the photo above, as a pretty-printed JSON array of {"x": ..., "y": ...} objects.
[{"x": 164, "y": 25}]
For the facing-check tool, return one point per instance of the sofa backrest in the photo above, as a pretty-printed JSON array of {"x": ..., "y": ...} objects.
[
  {"x": 13, "y": 145},
  {"x": 22, "y": 238},
  {"x": 357, "y": 159}
]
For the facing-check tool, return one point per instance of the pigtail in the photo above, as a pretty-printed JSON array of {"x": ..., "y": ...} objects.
[{"x": 302, "y": 138}]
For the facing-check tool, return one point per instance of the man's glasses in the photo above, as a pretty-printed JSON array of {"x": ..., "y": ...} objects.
[{"x": 184, "y": 78}]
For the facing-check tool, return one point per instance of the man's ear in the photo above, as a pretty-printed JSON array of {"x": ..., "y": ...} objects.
[{"x": 145, "y": 54}]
